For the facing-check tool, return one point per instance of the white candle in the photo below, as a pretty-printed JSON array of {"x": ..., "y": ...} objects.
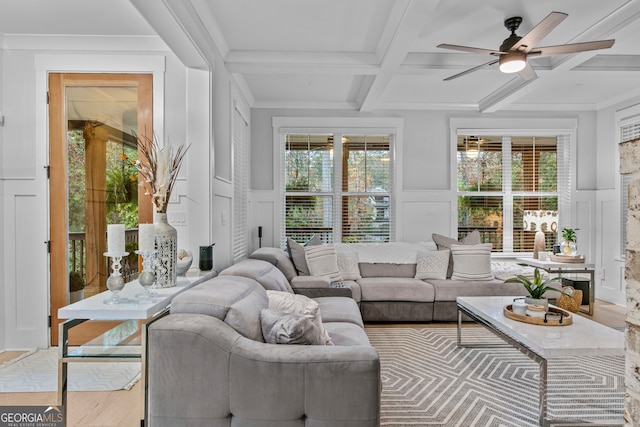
[
  {"x": 115, "y": 239},
  {"x": 146, "y": 237}
]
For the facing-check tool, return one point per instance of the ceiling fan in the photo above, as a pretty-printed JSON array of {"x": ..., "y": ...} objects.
[{"x": 514, "y": 51}]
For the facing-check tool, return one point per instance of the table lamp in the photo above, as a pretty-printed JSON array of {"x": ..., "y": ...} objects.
[{"x": 540, "y": 222}]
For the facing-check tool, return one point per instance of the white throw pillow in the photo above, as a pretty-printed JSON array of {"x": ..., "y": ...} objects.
[
  {"x": 323, "y": 261},
  {"x": 432, "y": 265},
  {"x": 348, "y": 265},
  {"x": 471, "y": 262},
  {"x": 296, "y": 253},
  {"x": 288, "y": 303}
]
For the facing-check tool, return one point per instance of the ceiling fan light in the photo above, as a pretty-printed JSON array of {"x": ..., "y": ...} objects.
[{"x": 512, "y": 62}]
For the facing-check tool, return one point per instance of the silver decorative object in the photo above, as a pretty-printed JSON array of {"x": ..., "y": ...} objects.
[
  {"x": 115, "y": 282},
  {"x": 147, "y": 277},
  {"x": 166, "y": 238}
]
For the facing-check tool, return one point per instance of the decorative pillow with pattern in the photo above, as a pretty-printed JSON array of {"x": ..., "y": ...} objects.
[
  {"x": 296, "y": 253},
  {"x": 323, "y": 261},
  {"x": 348, "y": 265},
  {"x": 471, "y": 262},
  {"x": 432, "y": 264},
  {"x": 444, "y": 242}
]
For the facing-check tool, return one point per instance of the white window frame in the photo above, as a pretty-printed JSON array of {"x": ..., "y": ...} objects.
[
  {"x": 337, "y": 126},
  {"x": 565, "y": 129}
]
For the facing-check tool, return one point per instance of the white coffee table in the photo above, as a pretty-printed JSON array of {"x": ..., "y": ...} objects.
[{"x": 583, "y": 337}]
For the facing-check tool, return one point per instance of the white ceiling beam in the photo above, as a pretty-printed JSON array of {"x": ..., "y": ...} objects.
[
  {"x": 302, "y": 63},
  {"x": 408, "y": 23}
]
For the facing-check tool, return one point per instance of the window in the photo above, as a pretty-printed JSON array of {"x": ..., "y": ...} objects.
[
  {"x": 241, "y": 186},
  {"x": 340, "y": 192},
  {"x": 500, "y": 177}
]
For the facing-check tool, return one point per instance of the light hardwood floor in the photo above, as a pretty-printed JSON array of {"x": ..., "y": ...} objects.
[{"x": 124, "y": 408}]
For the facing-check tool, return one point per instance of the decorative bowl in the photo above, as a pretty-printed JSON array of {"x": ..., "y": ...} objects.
[{"x": 183, "y": 263}]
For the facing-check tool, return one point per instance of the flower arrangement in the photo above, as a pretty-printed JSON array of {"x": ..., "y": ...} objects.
[{"x": 159, "y": 170}]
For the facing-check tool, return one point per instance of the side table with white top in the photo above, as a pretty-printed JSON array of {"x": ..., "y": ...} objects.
[
  {"x": 561, "y": 268},
  {"x": 132, "y": 308}
]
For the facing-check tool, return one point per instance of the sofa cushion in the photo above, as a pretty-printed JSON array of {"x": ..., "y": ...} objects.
[
  {"x": 383, "y": 269},
  {"x": 432, "y": 264},
  {"x": 345, "y": 333},
  {"x": 296, "y": 253},
  {"x": 322, "y": 261},
  {"x": 391, "y": 252},
  {"x": 262, "y": 272},
  {"x": 339, "y": 309},
  {"x": 395, "y": 289},
  {"x": 277, "y": 257},
  {"x": 472, "y": 262},
  {"x": 287, "y": 303},
  {"x": 444, "y": 242},
  {"x": 348, "y": 265},
  {"x": 449, "y": 290},
  {"x": 289, "y": 328},
  {"x": 237, "y": 301}
]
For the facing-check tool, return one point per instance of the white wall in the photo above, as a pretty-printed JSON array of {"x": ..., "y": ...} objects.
[
  {"x": 610, "y": 262},
  {"x": 24, "y": 154}
]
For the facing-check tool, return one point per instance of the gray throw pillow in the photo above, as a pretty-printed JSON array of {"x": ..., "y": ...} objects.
[
  {"x": 280, "y": 328},
  {"x": 296, "y": 253},
  {"x": 444, "y": 242},
  {"x": 471, "y": 262}
]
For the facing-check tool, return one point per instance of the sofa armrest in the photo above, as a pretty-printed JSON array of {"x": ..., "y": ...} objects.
[
  {"x": 319, "y": 286},
  {"x": 302, "y": 282}
]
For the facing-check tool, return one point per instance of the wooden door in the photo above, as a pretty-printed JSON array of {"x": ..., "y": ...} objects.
[{"x": 89, "y": 111}]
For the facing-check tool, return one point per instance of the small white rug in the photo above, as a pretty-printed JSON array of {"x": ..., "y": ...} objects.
[{"x": 38, "y": 372}]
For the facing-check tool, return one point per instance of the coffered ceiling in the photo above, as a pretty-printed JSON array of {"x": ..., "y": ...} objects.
[{"x": 371, "y": 55}]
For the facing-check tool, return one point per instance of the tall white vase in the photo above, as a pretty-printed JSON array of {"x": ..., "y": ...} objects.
[{"x": 166, "y": 251}]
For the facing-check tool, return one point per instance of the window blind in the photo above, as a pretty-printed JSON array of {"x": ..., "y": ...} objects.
[
  {"x": 500, "y": 177},
  {"x": 338, "y": 186},
  {"x": 241, "y": 186}
]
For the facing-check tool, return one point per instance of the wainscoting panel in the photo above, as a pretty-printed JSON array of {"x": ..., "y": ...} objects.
[
  {"x": 222, "y": 232},
  {"x": 264, "y": 216},
  {"x": 26, "y": 273},
  {"x": 420, "y": 219}
]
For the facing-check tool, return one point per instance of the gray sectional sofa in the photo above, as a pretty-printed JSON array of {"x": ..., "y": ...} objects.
[
  {"x": 208, "y": 364},
  {"x": 389, "y": 291}
]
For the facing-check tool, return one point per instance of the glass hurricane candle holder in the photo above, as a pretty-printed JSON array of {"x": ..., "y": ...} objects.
[
  {"x": 115, "y": 282},
  {"x": 147, "y": 277}
]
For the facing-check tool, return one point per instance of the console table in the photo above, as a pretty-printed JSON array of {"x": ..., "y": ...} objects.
[
  {"x": 568, "y": 268},
  {"x": 132, "y": 308}
]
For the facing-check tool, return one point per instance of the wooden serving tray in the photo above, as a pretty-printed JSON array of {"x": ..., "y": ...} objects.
[
  {"x": 577, "y": 259},
  {"x": 566, "y": 319}
]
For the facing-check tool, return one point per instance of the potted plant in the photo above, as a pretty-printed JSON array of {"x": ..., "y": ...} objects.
[
  {"x": 568, "y": 244},
  {"x": 536, "y": 287},
  {"x": 76, "y": 286}
]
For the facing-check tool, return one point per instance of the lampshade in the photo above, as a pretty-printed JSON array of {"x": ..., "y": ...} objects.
[
  {"x": 540, "y": 222},
  {"x": 512, "y": 62},
  {"x": 545, "y": 221}
]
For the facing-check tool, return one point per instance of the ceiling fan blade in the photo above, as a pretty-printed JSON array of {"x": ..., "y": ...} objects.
[
  {"x": 528, "y": 73},
  {"x": 471, "y": 70},
  {"x": 469, "y": 49},
  {"x": 540, "y": 31},
  {"x": 564, "y": 49}
]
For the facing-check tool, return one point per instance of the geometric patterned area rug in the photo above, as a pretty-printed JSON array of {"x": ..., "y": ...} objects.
[
  {"x": 428, "y": 381},
  {"x": 38, "y": 372}
]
